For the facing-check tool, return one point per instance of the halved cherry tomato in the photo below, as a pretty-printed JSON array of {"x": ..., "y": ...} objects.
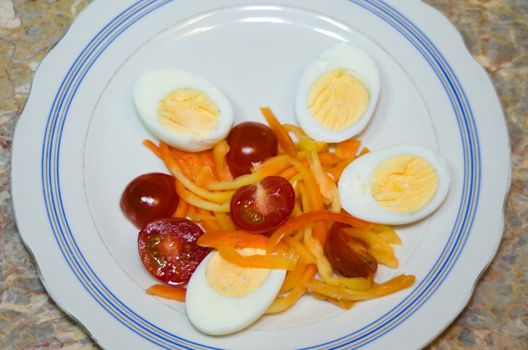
[
  {"x": 250, "y": 144},
  {"x": 148, "y": 197},
  {"x": 347, "y": 255},
  {"x": 263, "y": 206},
  {"x": 168, "y": 249}
]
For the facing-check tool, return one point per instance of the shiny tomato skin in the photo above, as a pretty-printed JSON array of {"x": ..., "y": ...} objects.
[
  {"x": 250, "y": 144},
  {"x": 264, "y": 206},
  {"x": 167, "y": 247},
  {"x": 347, "y": 255},
  {"x": 148, "y": 197}
]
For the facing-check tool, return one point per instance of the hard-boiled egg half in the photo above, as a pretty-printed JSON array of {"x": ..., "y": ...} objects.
[
  {"x": 223, "y": 298},
  {"x": 337, "y": 94},
  {"x": 182, "y": 109},
  {"x": 395, "y": 185}
]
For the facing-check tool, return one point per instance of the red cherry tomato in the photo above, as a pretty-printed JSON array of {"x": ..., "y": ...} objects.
[
  {"x": 263, "y": 206},
  {"x": 168, "y": 249},
  {"x": 348, "y": 255},
  {"x": 250, "y": 144},
  {"x": 148, "y": 197}
]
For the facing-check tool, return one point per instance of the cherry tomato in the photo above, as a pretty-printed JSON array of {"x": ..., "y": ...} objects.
[
  {"x": 148, "y": 197},
  {"x": 250, "y": 144},
  {"x": 168, "y": 249},
  {"x": 263, "y": 206},
  {"x": 348, "y": 255}
]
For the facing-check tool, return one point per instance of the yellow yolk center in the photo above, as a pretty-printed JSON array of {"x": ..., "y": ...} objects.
[
  {"x": 232, "y": 280},
  {"x": 338, "y": 99},
  {"x": 188, "y": 111},
  {"x": 404, "y": 184}
]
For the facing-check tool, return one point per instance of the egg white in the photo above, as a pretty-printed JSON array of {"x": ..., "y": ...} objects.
[
  {"x": 216, "y": 314},
  {"x": 155, "y": 85},
  {"x": 355, "y": 185},
  {"x": 356, "y": 62}
]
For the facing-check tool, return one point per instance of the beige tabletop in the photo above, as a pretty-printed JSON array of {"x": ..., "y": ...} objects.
[{"x": 496, "y": 33}]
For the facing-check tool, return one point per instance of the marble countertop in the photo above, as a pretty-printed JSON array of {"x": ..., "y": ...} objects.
[{"x": 496, "y": 33}]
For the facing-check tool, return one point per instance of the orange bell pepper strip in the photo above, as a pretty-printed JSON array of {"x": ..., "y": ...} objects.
[
  {"x": 235, "y": 239},
  {"x": 335, "y": 172},
  {"x": 328, "y": 158},
  {"x": 282, "y": 135},
  {"x": 293, "y": 277},
  {"x": 281, "y": 304},
  {"x": 304, "y": 219},
  {"x": 181, "y": 209},
  {"x": 167, "y": 292},
  {"x": 348, "y": 148},
  {"x": 282, "y": 261}
]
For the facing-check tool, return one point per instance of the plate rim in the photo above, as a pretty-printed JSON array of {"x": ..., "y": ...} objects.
[{"x": 16, "y": 150}]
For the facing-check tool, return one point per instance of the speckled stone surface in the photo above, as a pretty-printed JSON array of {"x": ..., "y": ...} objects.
[{"x": 496, "y": 32}]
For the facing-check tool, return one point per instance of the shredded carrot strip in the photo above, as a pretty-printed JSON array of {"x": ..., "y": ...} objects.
[
  {"x": 208, "y": 159},
  {"x": 281, "y": 262},
  {"x": 192, "y": 162},
  {"x": 167, "y": 292},
  {"x": 151, "y": 146},
  {"x": 172, "y": 165},
  {"x": 205, "y": 176},
  {"x": 307, "y": 218},
  {"x": 282, "y": 135},
  {"x": 281, "y": 304}
]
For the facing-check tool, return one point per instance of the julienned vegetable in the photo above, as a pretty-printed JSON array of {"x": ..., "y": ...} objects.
[{"x": 303, "y": 240}]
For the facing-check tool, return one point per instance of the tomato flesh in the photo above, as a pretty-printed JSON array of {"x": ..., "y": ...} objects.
[
  {"x": 168, "y": 249},
  {"x": 250, "y": 144},
  {"x": 347, "y": 255},
  {"x": 263, "y": 206},
  {"x": 148, "y": 197}
]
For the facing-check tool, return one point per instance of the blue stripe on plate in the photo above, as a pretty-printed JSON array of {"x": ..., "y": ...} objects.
[{"x": 125, "y": 315}]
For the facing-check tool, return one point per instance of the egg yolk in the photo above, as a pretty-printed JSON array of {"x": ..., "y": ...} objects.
[
  {"x": 404, "y": 184},
  {"x": 232, "y": 280},
  {"x": 338, "y": 99},
  {"x": 188, "y": 111}
]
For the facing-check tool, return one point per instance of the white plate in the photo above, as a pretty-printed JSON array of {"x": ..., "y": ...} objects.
[{"x": 78, "y": 143}]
